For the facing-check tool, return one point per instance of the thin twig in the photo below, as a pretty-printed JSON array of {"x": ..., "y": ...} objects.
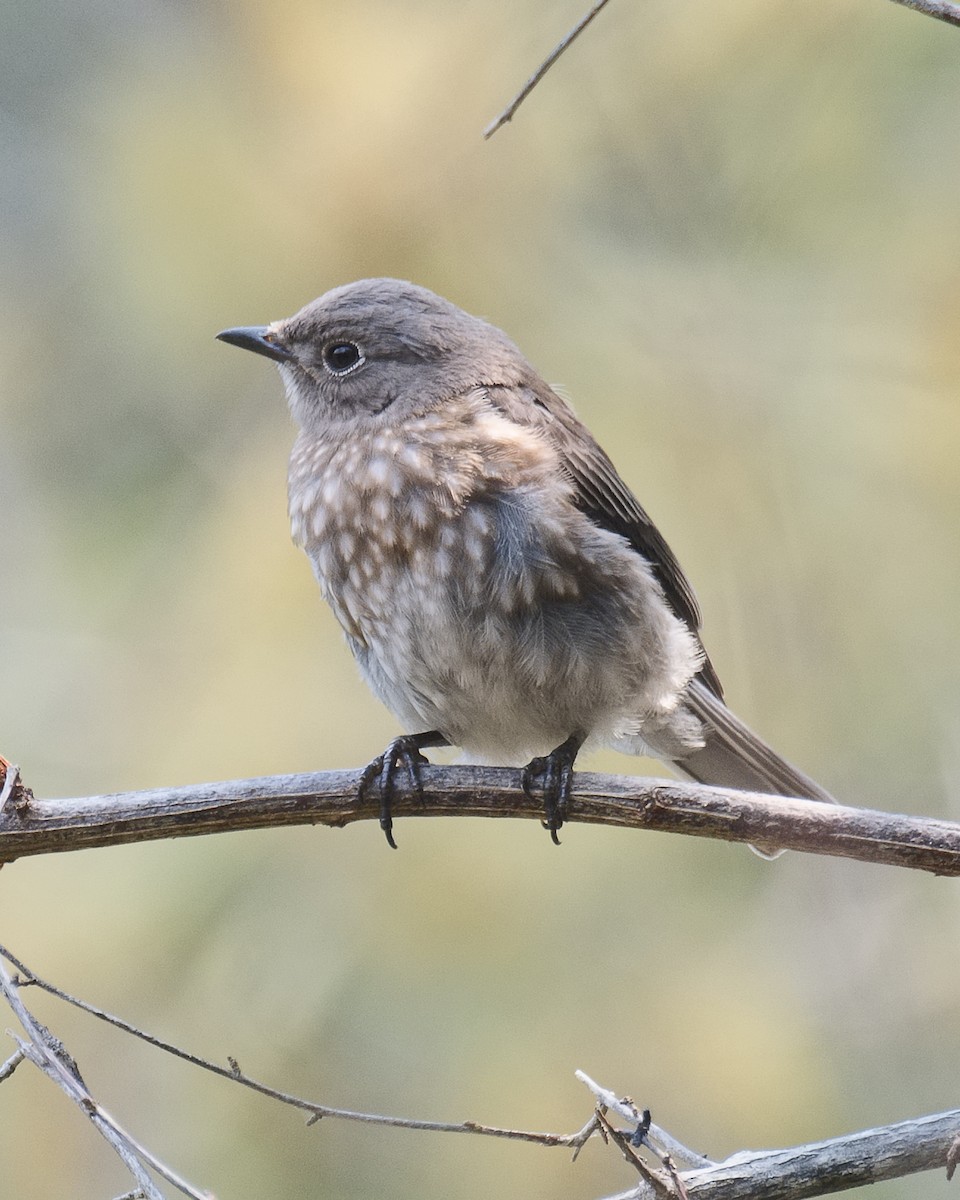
[
  {"x": 11, "y": 1064},
  {"x": 868, "y": 1156},
  {"x": 316, "y": 1110},
  {"x": 953, "y": 1157},
  {"x": 630, "y": 1155},
  {"x": 11, "y": 777},
  {"x": 671, "y": 1169},
  {"x": 330, "y": 798},
  {"x": 47, "y": 1054},
  {"x": 942, "y": 10},
  {"x": 628, "y": 1110},
  {"x": 668, "y": 1184},
  {"x": 508, "y": 112}
]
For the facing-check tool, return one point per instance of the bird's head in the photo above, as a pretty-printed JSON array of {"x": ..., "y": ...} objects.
[{"x": 380, "y": 348}]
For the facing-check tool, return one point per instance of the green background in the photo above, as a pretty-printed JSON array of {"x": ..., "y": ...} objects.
[{"x": 731, "y": 232}]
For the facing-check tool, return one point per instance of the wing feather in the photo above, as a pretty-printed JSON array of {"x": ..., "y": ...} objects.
[{"x": 604, "y": 497}]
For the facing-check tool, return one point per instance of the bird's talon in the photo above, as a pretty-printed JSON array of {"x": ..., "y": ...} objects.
[
  {"x": 555, "y": 773},
  {"x": 373, "y": 770},
  {"x": 403, "y": 750},
  {"x": 413, "y": 760}
]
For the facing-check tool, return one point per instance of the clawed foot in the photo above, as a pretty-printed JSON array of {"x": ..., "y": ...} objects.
[
  {"x": 402, "y": 752},
  {"x": 554, "y": 774}
]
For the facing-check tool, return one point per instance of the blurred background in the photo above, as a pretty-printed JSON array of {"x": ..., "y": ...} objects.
[{"x": 732, "y": 234}]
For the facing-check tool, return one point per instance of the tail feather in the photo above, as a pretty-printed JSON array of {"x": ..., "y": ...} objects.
[{"x": 735, "y": 757}]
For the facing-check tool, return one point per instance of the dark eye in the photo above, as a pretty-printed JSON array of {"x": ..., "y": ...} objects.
[{"x": 341, "y": 357}]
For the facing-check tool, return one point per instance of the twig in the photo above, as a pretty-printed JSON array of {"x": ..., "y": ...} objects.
[
  {"x": 942, "y": 10},
  {"x": 626, "y": 1108},
  {"x": 812, "y": 1170},
  {"x": 46, "y": 1053},
  {"x": 14, "y": 796},
  {"x": 953, "y": 1157},
  {"x": 11, "y": 1064},
  {"x": 316, "y": 1110},
  {"x": 11, "y": 777},
  {"x": 630, "y": 1155},
  {"x": 508, "y": 112},
  {"x": 330, "y": 798}
]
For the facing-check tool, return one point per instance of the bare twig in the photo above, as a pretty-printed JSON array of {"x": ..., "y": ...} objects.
[
  {"x": 942, "y": 10},
  {"x": 508, "y": 112},
  {"x": 624, "y": 1145},
  {"x": 678, "y": 1185},
  {"x": 626, "y": 1108},
  {"x": 812, "y": 1170},
  {"x": 46, "y": 1053},
  {"x": 953, "y": 1157},
  {"x": 330, "y": 798},
  {"x": 14, "y": 795},
  {"x": 11, "y": 777},
  {"x": 11, "y": 1064},
  {"x": 315, "y": 1110}
]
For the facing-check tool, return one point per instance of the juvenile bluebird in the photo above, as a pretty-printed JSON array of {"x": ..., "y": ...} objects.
[{"x": 497, "y": 581}]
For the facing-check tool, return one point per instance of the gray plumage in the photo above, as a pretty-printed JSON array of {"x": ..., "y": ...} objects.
[{"x": 496, "y": 579}]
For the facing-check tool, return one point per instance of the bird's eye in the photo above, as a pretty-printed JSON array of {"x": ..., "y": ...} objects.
[{"x": 341, "y": 357}]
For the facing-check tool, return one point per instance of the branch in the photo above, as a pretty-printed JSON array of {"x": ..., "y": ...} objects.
[
  {"x": 571, "y": 37},
  {"x": 817, "y": 1169},
  {"x": 943, "y": 10},
  {"x": 820, "y": 1168},
  {"x": 48, "y": 1054},
  {"x": 30, "y": 826},
  {"x": 626, "y": 1108},
  {"x": 314, "y": 1109}
]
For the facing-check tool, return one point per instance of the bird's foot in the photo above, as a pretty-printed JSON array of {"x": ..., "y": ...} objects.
[
  {"x": 402, "y": 752},
  {"x": 553, "y": 773}
]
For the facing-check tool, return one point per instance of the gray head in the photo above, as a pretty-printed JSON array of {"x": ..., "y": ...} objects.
[{"x": 376, "y": 345}]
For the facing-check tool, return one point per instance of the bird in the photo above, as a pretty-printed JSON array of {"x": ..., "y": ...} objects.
[{"x": 497, "y": 581}]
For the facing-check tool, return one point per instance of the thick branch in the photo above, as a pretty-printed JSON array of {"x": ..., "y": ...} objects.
[
  {"x": 942, "y": 10},
  {"x": 30, "y": 826},
  {"x": 821, "y": 1168}
]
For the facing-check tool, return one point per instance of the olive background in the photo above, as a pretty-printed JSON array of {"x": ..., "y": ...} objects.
[{"x": 731, "y": 234}]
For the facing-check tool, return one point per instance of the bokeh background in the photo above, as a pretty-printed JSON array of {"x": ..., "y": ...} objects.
[{"x": 732, "y": 233}]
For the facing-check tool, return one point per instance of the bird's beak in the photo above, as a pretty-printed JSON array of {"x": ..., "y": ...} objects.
[{"x": 257, "y": 338}]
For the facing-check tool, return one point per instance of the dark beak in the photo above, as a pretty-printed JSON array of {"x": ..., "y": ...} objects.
[{"x": 257, "y": 339}]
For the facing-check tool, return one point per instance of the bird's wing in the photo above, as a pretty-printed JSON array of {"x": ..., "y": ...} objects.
[{"x": 603, "y": 496}]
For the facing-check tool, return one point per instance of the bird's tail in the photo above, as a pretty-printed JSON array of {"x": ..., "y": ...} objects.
[{"x": 735, "y": 757}]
